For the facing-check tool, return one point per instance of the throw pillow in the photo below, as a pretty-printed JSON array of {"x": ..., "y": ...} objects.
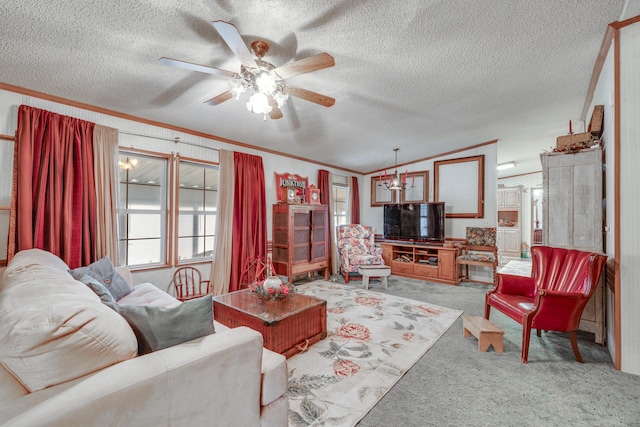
[
  {"x": 100, "y": 289},
  {"x": 161, "y": 327},
  {"x": 104, "y": 272}
]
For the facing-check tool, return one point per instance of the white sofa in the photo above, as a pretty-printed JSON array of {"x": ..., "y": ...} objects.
[{"x": 66, "y": 359}]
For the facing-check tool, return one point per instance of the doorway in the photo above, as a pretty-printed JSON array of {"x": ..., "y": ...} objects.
[{"x": 536, "y": 215}]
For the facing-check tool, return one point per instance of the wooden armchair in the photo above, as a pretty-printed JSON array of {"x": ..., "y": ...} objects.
[
  {"x": 480, "y": 249},
  {"x": 189, "y": 284},
  {"x": 553, "y": 298}
]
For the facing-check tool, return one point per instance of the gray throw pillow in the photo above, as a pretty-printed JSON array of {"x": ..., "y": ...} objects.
[
  {"x": 104, "y": 272},
  {"x": 98, "y": 288},
  {"x": 161, "y": 327}
]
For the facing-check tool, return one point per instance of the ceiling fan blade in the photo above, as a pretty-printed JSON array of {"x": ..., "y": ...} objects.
[
  {"x": 307, "y": 95},
  {"x": 231, "y": 36},
  {"x": 275, "y": 113},
  {"x": 313, "y": 63},
  {"x": 224, "y": 96},
  {"x": 195, "y": 67}
]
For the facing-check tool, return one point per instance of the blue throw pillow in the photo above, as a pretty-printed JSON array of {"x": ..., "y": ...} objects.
[
  {"x": 98, "y": 288},
  {"x": 161, "y": 327},
  {"x": 104, "y": 272}
]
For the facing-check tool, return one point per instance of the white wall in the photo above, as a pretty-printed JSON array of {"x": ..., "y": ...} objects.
[
  {"x": 629, "y": 201},
  {"x": 604, "y": 95},
  {"x": 454, "y": 227}
]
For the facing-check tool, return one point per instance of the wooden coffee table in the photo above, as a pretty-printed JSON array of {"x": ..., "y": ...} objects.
[{"x": 288, "y": 326}]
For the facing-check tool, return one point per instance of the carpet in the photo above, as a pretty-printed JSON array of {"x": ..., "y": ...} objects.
[{"x": 373, "y": 340}]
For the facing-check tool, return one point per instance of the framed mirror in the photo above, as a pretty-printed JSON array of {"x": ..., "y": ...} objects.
[
  {"x": 459, "y": 183},
  {"x": 417, "y": 188},
  {"x": 380, "y": 194}
]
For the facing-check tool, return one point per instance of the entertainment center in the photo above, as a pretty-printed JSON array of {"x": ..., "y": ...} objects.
[{"x": 413, "y": 243}]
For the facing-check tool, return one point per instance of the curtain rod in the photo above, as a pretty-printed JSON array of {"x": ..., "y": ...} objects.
[{"x": 177, "y": 139}]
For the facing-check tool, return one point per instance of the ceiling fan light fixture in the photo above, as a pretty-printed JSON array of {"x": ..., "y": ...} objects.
[
  {"x": 280, "y": 98},
  {"x": 259, "y": 77},
  {"x": 259, "y": 104},
  {"x": 265, "y": 83},
  {"x": 237, "y": 89}
]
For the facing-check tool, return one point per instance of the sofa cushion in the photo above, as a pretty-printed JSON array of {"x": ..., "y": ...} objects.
[
  {"x": 275, "y": 376},
  {"x": 54, "y": 329},
  {"x": 161, "y": 327},
  {"x": 97, "y": 287},
  {"x": 28, "y": 257},
  {"x": 148, "y": 294},
  {"x": 10, "y": 387},
  {"x": 104, "y": 271}
]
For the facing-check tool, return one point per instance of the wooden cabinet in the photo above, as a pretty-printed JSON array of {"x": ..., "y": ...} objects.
[
  {"x": 421, "y": 261},
  {"x": 509, "y": 198},
  {"x": 572, "y": 200},
  {"x": 447, "y": 265},
  {"x": 572, "y": 214},
  {"x": 300, "y": 239},
  {"x": 509, "y": 241},
  {"x": 386, "y": 254},
  {"x": 509, "y": 230}
]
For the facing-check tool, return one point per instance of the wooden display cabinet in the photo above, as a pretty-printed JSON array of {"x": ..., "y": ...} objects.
[
  {"x": 300, "y": 239},
  {"x": 421, "y": 261}
]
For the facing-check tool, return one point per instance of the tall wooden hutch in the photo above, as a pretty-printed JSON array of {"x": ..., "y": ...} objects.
[{"x": 300, "y": 239}]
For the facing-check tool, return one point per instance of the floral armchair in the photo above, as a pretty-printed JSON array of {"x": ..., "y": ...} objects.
[{"x": 356, "y": 247}]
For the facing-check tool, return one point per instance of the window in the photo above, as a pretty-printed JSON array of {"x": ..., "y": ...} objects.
[
  {"x": 6, "y": 154},
  {"x": 197, "y": 199},
  {"x": 340, "y": 206},
  {"x": 142, "y": 209}
]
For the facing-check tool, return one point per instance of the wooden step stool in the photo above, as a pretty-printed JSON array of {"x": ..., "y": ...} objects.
[{"x": 486, "y": 332}]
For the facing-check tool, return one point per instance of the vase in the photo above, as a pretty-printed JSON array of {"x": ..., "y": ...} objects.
[{"x": 272, "y": 282}]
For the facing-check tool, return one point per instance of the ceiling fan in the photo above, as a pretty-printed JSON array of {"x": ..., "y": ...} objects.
[{"x": 270, "y": 91}]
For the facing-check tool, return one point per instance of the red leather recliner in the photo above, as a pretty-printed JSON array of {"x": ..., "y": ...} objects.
[{"x": 554, "y": 297}]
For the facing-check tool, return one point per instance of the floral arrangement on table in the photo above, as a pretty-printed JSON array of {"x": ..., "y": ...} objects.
[{"x": 272, "y": 289}]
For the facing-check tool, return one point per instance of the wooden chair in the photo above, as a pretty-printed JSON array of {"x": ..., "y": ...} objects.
[
  {"x": 255, "y": 270},
  {"x": 189, "y": 284},
  {"x": 480, "y": 249}
]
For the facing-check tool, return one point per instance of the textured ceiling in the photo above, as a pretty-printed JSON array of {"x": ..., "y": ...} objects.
[{"x": 425, "y": 76}]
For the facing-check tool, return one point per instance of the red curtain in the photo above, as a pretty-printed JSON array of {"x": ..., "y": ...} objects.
[
  {"x": 53, "y": 197},
  {"x": 355, "y": 201},
  {"x": 324, "y": 185},
  {"x": 249, "y": 215}
]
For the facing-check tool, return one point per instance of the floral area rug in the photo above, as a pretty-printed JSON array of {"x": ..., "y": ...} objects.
[{"x": 373, "y": 339}]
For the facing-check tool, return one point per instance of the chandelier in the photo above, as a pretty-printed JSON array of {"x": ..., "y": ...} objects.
[
  {"x": 263, "y": 81},
  {"x": 395, "y": 181},
  {"x": 128, "y": 164}
]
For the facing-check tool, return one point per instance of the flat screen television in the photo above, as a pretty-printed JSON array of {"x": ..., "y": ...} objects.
[{"x": 415, "y": 221}]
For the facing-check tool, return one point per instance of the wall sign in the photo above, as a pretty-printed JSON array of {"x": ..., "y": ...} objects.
[{"x": 291, "y": 188}]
